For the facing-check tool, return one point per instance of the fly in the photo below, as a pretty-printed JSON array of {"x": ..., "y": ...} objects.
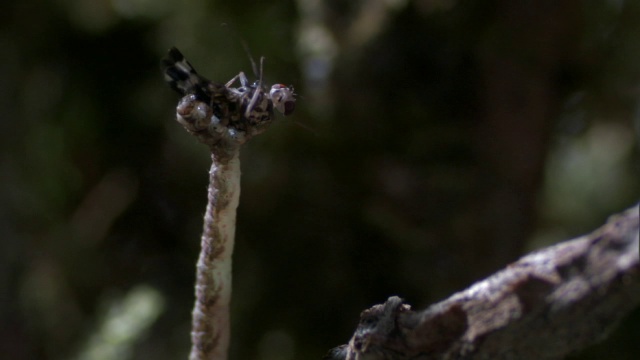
[{"x": 249, "y": 103}]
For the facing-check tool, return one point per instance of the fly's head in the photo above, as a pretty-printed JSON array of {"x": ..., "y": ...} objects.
[{"x": 283, "y": 98}]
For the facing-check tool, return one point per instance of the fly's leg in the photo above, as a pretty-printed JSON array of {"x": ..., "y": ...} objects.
[
  {"x": 244, "y": 82},
  {"x": 256, "y": 91},
  {"x": 230, "y": 82}
]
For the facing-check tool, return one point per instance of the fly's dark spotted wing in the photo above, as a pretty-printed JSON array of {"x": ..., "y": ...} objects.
[{"x": 183, "y": 78}]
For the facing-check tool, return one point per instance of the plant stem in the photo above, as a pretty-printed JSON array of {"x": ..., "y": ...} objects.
[
  {"x": 223, "y": 118},
  {"x": 210, "y": 330}
]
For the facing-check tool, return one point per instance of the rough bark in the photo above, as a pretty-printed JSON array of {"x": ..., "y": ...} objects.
[
  {"x": 544, "y": 306},
  {"x": 210, "y": 332}
]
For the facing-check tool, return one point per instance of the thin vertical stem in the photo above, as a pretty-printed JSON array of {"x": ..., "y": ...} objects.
[
  {"x": 210, "y": 331},
  {"x": 223, "y": 118}
]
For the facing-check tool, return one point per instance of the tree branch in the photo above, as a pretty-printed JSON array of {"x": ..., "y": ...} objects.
[{"x": 544, "y": 306}]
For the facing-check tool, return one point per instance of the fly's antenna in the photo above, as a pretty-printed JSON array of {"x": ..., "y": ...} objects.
[
  {"x": 254, "y": 67},
  {"x": 253, "y": 63},
  {"x": 261, "y": 69}
]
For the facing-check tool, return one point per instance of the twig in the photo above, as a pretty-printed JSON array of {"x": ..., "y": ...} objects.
[
  {"x": 223, "y": 118},
  {"x": 210, "y": 328},
  {"x": 544, "y": 306}
]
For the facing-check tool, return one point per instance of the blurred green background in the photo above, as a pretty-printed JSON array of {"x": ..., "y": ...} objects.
[{"x": 434, "y": 142}]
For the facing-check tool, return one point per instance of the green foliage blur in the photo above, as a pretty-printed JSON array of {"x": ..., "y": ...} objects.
[{"x": 434, "y": 142}]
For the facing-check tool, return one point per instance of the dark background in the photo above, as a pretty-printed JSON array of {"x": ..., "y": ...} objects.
[{"x": 433, "y": 143}]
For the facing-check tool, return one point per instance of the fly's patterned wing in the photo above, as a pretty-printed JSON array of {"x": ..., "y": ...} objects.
[{"x": 184, "y": 79}]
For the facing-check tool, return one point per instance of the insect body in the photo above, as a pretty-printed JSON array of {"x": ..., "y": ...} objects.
[
  {"x": 221, "y": 115},
  {"x": 248, "y": 104}
]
